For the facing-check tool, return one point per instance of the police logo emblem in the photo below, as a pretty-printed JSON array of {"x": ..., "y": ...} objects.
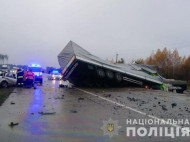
[{"x": 110, "y": 127}]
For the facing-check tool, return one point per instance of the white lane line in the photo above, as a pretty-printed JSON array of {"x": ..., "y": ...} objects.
[{"x": 129, "y": 108}]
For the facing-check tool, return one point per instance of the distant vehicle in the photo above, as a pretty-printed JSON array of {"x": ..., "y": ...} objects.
[
  {"x": 55, "y": 75},
  {"x": 7, "y": 80},
  {"x": 4, "y": 68},
  {"x": 37, "y": 70}
]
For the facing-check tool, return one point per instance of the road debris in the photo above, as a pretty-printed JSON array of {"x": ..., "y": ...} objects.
[
  {"x": 164, "y": 108},
  {"x": 69, "y": 85},
  {"x": 73, "y": 111},
  {"x": 80, "y": 99},
  {"x": 174, "y": 105},
  {"x": 46, "y": 113},
  {"x": 107, "y": 95},
  {"x": 12, "y": 124},
  {"x": 12, "y": 103},
  {"x": 132, "y": 99},
  {"x": 59, "y": 98}
]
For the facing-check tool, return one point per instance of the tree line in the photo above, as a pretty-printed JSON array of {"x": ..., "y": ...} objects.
[{"x": 169, "y": 63}]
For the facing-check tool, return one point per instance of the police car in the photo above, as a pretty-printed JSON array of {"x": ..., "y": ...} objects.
[{"x": 55, "y": 75}]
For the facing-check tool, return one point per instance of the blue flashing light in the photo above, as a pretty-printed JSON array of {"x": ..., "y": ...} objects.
[
  {"x": 55, "y": 71},
  {"x": 35, "y": 65}
]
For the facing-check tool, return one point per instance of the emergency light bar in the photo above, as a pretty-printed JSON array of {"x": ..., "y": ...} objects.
[
  {"x": 35, "y": 65},
  {"x": 55, "y": 71}
]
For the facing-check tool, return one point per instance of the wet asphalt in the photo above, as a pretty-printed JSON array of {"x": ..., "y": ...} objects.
[{"x": 53, "y": 114}]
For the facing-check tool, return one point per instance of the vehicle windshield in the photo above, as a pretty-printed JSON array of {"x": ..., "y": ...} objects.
[
  {"x": 55, "y": 73},
  {"x": 35, "y": 69}
]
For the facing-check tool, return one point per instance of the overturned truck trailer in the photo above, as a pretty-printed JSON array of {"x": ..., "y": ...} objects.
[{"x": 84, "y": 69}]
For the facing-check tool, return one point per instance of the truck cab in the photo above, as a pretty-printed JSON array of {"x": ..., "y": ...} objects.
[{"x": 37, "y": 70}]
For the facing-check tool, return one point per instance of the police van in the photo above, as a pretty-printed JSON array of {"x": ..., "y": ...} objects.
[{"x": 37, "y": 70}]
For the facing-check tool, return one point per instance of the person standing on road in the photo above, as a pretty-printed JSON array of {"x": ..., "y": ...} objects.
[
  {"x": 29, "y": 78},
  {"x": 20, "y": 75}
]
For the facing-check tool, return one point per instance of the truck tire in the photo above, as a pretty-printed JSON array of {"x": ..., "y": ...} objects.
[
  {"x": 100, "y": 73},
  {"x": 4, "y": 84},
  {"x": 109, "y": 74},
  {"x": 118, "y": 77}
]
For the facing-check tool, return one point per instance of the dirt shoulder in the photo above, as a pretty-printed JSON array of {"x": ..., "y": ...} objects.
[{"x": 4, "y": 94}]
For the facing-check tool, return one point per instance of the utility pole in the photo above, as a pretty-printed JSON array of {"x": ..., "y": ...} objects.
[{"x": 116, "y": 57}]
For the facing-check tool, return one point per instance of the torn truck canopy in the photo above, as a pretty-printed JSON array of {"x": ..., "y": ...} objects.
[{"x": 81, "y": 67}]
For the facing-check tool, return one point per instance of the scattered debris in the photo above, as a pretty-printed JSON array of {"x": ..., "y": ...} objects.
[
  {"x": 154, "y": 105},
  {"x": 63, "y": 86},
  {"x": 32, "y": 113},
  {"x": 12, "y": 103},
  {"x": 46, "y": 113},
  {"x": 73, "y": 111},
  {"x": 174, "y": 105},
  {"x": 158, "y": 102},
  {"x": 186, "y": 109},
  {"x": 80, "y": 99},
  {"x": 108, "y": 95},
  {"x": 69, "y": 85},
  {"x": 164, "y": 108},
  {"x": 12, "y": 124},
  {"x": 59, "y": 98},
  {"x": 155, "y": 98},
  {"x": 133, "y": 99}
]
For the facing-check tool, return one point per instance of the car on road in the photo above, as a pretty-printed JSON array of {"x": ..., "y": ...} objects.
[
  {"x": 55, "y": 75},
  {"x": 8, "y": 79}
]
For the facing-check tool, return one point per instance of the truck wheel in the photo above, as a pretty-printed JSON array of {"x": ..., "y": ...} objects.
[
  {"x": 101, "y": 73},
  {"x": 109, "y": 74},
  {"x": 118, "y": 77},
  {"x": 4, "y": 84}
]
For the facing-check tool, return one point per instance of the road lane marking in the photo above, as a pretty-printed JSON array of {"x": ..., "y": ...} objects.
[{"x": 127, "y": 107}]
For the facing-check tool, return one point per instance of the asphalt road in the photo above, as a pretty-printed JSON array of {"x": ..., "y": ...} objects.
[{"x": 53, "y": 114}]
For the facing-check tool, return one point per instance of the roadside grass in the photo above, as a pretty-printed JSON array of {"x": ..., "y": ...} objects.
[{"x": 4, "y": 94}]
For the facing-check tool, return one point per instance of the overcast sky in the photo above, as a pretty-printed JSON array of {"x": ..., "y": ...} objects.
[{"x": 35, "y": 31}]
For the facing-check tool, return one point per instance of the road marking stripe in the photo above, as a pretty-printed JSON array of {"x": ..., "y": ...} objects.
[{"x": 132, "y": 109}]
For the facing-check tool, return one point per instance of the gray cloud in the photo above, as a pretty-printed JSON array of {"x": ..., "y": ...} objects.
[{"x": 37, "y": 30}]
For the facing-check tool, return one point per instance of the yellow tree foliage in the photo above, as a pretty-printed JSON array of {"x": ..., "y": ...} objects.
[{"x": 170, "y": 64}]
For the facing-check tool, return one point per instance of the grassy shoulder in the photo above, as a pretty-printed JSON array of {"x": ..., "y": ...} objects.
[{"x": 4, "y": 94}]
